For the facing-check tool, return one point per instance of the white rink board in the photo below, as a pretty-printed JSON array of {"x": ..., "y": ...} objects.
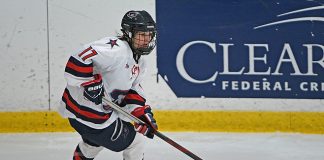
[
  {"x": 23, "y": 54},
  {"x": 72, "y": 23}
]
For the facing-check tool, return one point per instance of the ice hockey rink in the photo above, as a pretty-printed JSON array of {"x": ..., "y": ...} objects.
[
  {"x": 209, "y": 146},
  {"x": 188, "y": 83}
]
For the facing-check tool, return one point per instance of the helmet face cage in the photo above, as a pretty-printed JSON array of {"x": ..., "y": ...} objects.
[
  {"x": 143, "y": 42},
  {"x": 139, "y": 29}
]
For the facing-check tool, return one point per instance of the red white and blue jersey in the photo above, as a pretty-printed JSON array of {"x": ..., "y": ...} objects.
[{"x": 112, "y": 58}]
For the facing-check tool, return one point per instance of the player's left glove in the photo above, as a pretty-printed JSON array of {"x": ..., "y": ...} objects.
[
  {"x": 145, "y": 114},
  {"x": 94, "y": 90}
]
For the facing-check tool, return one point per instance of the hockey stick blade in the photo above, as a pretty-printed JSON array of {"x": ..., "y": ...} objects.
[{"x": 156, "y": 132}]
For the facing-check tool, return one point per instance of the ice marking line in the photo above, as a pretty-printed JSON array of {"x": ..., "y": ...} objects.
[
  {"x": 321, "y": 19},
  {"x": 302, "y": 10}
]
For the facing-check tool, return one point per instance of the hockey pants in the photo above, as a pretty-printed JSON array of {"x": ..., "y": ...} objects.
[{"x": 119, "y": 136}]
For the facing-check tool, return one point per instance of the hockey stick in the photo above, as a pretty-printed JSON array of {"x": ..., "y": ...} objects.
[{"x": 157, "y": 133}]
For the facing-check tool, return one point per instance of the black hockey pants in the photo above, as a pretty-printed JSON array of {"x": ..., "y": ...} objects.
[{"x": 116, "y": 137}]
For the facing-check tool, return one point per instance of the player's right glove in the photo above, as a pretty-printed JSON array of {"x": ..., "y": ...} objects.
[
  {"x": 145, "y": 114},
  {"x": 94, "y": 90}
]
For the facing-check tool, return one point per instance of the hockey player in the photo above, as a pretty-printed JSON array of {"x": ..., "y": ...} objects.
[{"x": 112, "y": 67}]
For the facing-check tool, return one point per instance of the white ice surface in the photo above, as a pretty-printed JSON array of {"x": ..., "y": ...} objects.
[{"x": 209, "y": 146}]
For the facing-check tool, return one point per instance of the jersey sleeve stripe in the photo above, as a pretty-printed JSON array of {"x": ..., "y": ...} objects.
[
  {"x": 78, "y": 74},
  {"x": 83, "y": 112},
  {"x": 79, "y": 63},
  {"x": 79, "y": 69},
  {"x": 133, "y": 97},
  {"x": 132, "y": 101}
]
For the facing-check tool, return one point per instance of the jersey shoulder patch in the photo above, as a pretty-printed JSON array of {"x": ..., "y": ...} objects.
[
  {"x": 112, "y": 46},
  {"x": 113, "y": 42},
  {"x": 110, "y": 43}
]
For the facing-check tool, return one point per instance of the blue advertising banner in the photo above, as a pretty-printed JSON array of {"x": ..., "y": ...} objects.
[{"x": 242, "y": 49}]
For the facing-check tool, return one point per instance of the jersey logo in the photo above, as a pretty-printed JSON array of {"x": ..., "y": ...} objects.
[
  {"x": 113, "y": 43},
  {"x": 135, "y": 70}
]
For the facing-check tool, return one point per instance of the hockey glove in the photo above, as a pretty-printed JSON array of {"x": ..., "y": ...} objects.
[
  {"x": 145, "y": 114},
  {"x": 94, "y": 90}
]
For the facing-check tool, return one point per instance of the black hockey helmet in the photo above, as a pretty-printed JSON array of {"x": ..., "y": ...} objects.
[{"x": 135, "y": 22}]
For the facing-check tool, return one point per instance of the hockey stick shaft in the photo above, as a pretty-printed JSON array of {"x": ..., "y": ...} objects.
[{"x": 157, "y": 133}]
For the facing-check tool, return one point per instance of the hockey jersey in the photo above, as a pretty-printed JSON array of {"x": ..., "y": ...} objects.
[{"x": 112, "y": 58}]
